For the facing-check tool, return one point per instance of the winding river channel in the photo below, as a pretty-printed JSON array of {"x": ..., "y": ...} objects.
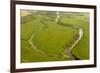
[
  {"x": 76, "y": 41},
  {"x": 69, "y": 50}
]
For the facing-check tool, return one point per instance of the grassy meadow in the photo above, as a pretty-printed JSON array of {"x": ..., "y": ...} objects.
[{"x": 44, "y": 39}]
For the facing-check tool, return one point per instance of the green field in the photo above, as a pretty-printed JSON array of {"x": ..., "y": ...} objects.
[{"x": 45, "y": 39}]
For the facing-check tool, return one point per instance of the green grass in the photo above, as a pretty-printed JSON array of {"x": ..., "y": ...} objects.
[{"x": 52, "y": 38}]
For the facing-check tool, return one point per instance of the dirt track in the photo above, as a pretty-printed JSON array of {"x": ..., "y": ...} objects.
[{"x": 34, "y": 47}]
